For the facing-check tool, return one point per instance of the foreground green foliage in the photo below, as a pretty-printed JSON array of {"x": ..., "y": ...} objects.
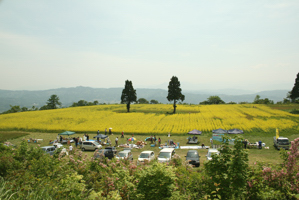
[{"x": 27, "y": 173}]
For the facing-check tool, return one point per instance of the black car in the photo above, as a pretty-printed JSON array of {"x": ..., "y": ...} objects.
[
  {"x": 108, "y": 153},
  {"x": 113, "y": 149},
  {"x": 193, "y": 158}
]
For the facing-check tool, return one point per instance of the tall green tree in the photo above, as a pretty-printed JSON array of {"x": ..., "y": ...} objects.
[
  {"x": 295, "y": 91},
  {"x": 257, "y": 99},
  {"x": 175, "y": 92},
  {"x": 53, "y": 101},
  {"x": 128, "y": 95}
]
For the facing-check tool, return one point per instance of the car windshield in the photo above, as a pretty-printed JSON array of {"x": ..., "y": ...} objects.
[
  {"x": 122, "y": 154},
  {"x": 192, "y": 154},
  {"x": 144, "y": 155},
  {"x": 96, "y": 143},
  {"x": 44, "y": 149},
  {"x": 283, "y": 141},
  {"x": 164, "y": 155}
]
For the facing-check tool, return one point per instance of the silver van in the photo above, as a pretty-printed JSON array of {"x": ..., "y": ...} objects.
[
  {"x": 90, "y": 145},
  {"x": 49, "y": 149}
]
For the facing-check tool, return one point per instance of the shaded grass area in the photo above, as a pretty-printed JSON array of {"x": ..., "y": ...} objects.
[
  {"x": 4, "y": 136},
  {"x": 285, "y": 107},
  {"x": 270, "y": 155},
  {"x": 170, "y": 112}
]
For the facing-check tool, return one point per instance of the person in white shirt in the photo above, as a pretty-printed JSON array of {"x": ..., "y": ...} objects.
[
  {"x": 116, "y": 141},
  {"x": 71, "y": 148}
]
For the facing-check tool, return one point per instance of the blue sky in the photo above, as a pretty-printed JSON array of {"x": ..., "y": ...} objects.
[{"x": 249, "y": 45}]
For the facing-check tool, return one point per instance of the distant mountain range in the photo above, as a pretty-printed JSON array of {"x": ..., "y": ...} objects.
[{"x": 68, "y": 96}]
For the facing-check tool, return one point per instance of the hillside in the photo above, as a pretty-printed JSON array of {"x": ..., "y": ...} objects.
[{"x": 112, "y": 95}]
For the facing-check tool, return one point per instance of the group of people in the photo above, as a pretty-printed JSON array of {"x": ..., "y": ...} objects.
[
  {"x": 110, "y": 131},
  {"x": 246, "y": 142},
  {"x": 153, "y": 139},
  {"x": 78, "y": 140}
]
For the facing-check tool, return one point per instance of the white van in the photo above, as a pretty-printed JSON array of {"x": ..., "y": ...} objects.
[{"x": 165, "y": 155}]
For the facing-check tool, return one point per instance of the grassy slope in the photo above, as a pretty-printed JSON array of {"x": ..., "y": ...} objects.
[
  {"x": 4, "y": 136},
  {"x": 268, "y": 156}
]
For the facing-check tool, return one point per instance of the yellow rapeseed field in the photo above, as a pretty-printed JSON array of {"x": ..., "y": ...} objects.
[{"x": 155, "y": 119}]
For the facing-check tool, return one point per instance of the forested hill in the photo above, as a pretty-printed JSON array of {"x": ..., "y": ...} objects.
[{"x": 67, "y": 96}]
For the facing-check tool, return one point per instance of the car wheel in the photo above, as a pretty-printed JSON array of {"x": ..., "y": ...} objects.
[{"x": 83, "y": 149}]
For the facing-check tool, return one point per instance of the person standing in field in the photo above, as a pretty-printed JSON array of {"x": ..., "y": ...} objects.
[
  {"x": 122, "y": 135},
  {"x": 76, "y": 141},
  {"x": 110, "y": 131},
  {"x": 159, "y": 140},
  {"x": 116, "y": 141},
  {"x": 71, "y": 148}
]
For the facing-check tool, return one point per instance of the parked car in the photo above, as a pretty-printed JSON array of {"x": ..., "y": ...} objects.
[
  {"x": 90, "y": 145},
  {"x": 281, "y": 143},
  {"x": 146, "y": 155},
  {"x": 57, "y": 145},
  {"x": 113, "y": 149},
  {"x": 49, "y": 149},
  {"x": 166, "y": 154},
  {"x": 126, "y": 154},
  {"x": 108, "y": 153},
  {"x": 193, "y": 158},
  {"x": 212, "y": 152}
]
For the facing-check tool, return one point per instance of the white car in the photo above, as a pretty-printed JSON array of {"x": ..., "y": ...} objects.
[
  {"x": 57, "y": 145},
  {"x": 212, "y": 152},
  {"x": 165, "y": 155},
  {"x": 125, "y": 154},
  {"x": 146, "y": 155}
]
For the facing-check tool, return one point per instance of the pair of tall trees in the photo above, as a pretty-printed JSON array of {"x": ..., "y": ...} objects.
[{"x": 129, "y": 96}]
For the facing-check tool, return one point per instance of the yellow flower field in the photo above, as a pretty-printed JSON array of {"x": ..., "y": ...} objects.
[{"x": 153, "y": 119}]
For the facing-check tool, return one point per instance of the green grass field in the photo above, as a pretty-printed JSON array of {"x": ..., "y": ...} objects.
[{"x": 270, "y": 155}]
